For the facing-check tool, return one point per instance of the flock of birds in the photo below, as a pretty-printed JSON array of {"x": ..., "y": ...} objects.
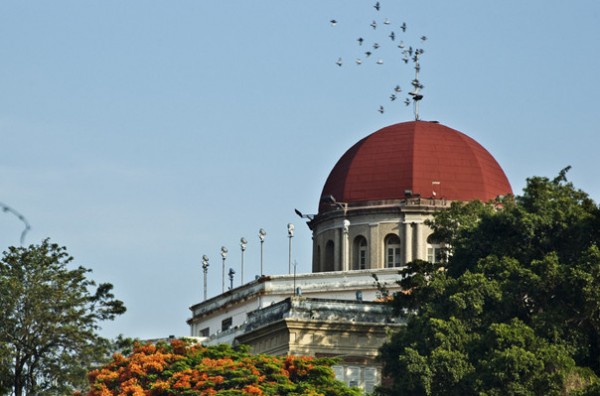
[{"x": 371, "y": 51}]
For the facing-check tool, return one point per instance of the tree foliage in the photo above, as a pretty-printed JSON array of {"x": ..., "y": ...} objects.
[
  {"x": 49, "y": 318},
  {"x": 514, "y": 309},
  {"x": 179, "y": 368}
]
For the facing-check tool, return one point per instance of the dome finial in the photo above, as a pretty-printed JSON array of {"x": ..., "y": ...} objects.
[{"x": 416, "y": 83}]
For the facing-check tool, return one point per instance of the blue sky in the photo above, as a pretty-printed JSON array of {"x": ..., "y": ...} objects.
[{"x": 144, "y": 134}]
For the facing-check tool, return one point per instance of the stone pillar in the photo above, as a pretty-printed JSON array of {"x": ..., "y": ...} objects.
[
  {"x": 407, "y": 243},
  {"x": 345, "y": 247},
  {"x": 419, "y": 242},
  {"x": 374, "y": 247}
]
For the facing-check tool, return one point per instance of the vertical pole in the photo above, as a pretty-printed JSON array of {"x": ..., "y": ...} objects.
[
  {"x": 261, "y": 235},
  {"x": 223, "y": 277},
  {"x": 290, "y": 257},
  {"x": 243, "y": 243},
  {"x": 205, "y": 285},
  {"x": 290, "y": 227},
  {"x": 224, "y": 256},
  {"x": 205, "y": 270}
]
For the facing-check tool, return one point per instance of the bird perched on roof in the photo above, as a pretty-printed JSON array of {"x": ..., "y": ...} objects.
[
  {"x": 403, "y": 26},
  {"x": 333, "y": 22},
  {"x": 339, "y": 62},
  {"x": 377, "y": 6}
]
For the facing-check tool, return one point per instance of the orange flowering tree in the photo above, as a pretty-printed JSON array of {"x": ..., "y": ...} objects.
[{"x": 179, "y": 368}]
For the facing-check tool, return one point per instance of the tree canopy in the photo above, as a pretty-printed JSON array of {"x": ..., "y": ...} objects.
[
  {"x": 49, "y": 318},
  {"x": 180, "y": 368},
  {"x": 515, "y": 306}
]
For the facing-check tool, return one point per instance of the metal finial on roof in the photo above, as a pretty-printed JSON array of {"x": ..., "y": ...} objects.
[{"x": 417, "y": 86}]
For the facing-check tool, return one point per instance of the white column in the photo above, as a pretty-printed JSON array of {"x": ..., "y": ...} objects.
[
  {"x": 407, "y": 243},
  {"x": 419, "y": 242},
  {"x": 345, "y": 245},
  {"x": 374, "y": 247}
]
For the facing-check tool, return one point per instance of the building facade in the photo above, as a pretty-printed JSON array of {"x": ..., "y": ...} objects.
[{"x": 371, "y": 221}]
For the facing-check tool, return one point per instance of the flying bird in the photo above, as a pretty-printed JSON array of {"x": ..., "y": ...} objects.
[
  {"x": 381, "y": 109},
  {"x": 358, "y": 61},
  {"x": 368, "y": 53},
  {"x": 423, "y": 38},
  {"x": 397, "y": 88},
  {"x": 339, "y": 62},
  {"x": 374, "y": 25},
  {"x": 403, "y": 26},
  {"x": 392, "y": 97},
  {"x": 387, "y": 21},
  {"x": 333, "y": 22},
  {"x": 375, "y": 45},
  {"x": 407, "y": 101},
  {"x": 380, "y": 61},
  {"x": 360, "y": 40},
  {"x": 377, "y": 6},
  {"x": 401, "y": 45},
  {"x": 393, "y": 36}
]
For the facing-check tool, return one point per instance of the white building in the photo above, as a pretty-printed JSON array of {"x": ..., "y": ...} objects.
[{"x": 370, "y": 223}]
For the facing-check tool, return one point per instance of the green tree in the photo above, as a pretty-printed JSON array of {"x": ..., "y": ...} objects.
[
  {"x": 49, "y": 318},
  {"x": 514, "y": 309}
]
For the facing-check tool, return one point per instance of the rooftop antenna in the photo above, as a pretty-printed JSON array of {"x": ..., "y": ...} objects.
[{"x": 6, "y": 208}]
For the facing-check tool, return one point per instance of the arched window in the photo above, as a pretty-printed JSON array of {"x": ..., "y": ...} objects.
[
  {"x": 329, "y": 250},
  {"x": 360, "y": 253},
  {"x": 434, "y": 250},
  {"x": 392, "y": 251}
]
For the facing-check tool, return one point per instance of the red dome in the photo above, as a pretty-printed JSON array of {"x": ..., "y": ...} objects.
[{"x": 426, "y": 158}]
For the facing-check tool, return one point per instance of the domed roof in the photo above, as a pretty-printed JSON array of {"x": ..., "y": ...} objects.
[{"x": 427, "y": 158}]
